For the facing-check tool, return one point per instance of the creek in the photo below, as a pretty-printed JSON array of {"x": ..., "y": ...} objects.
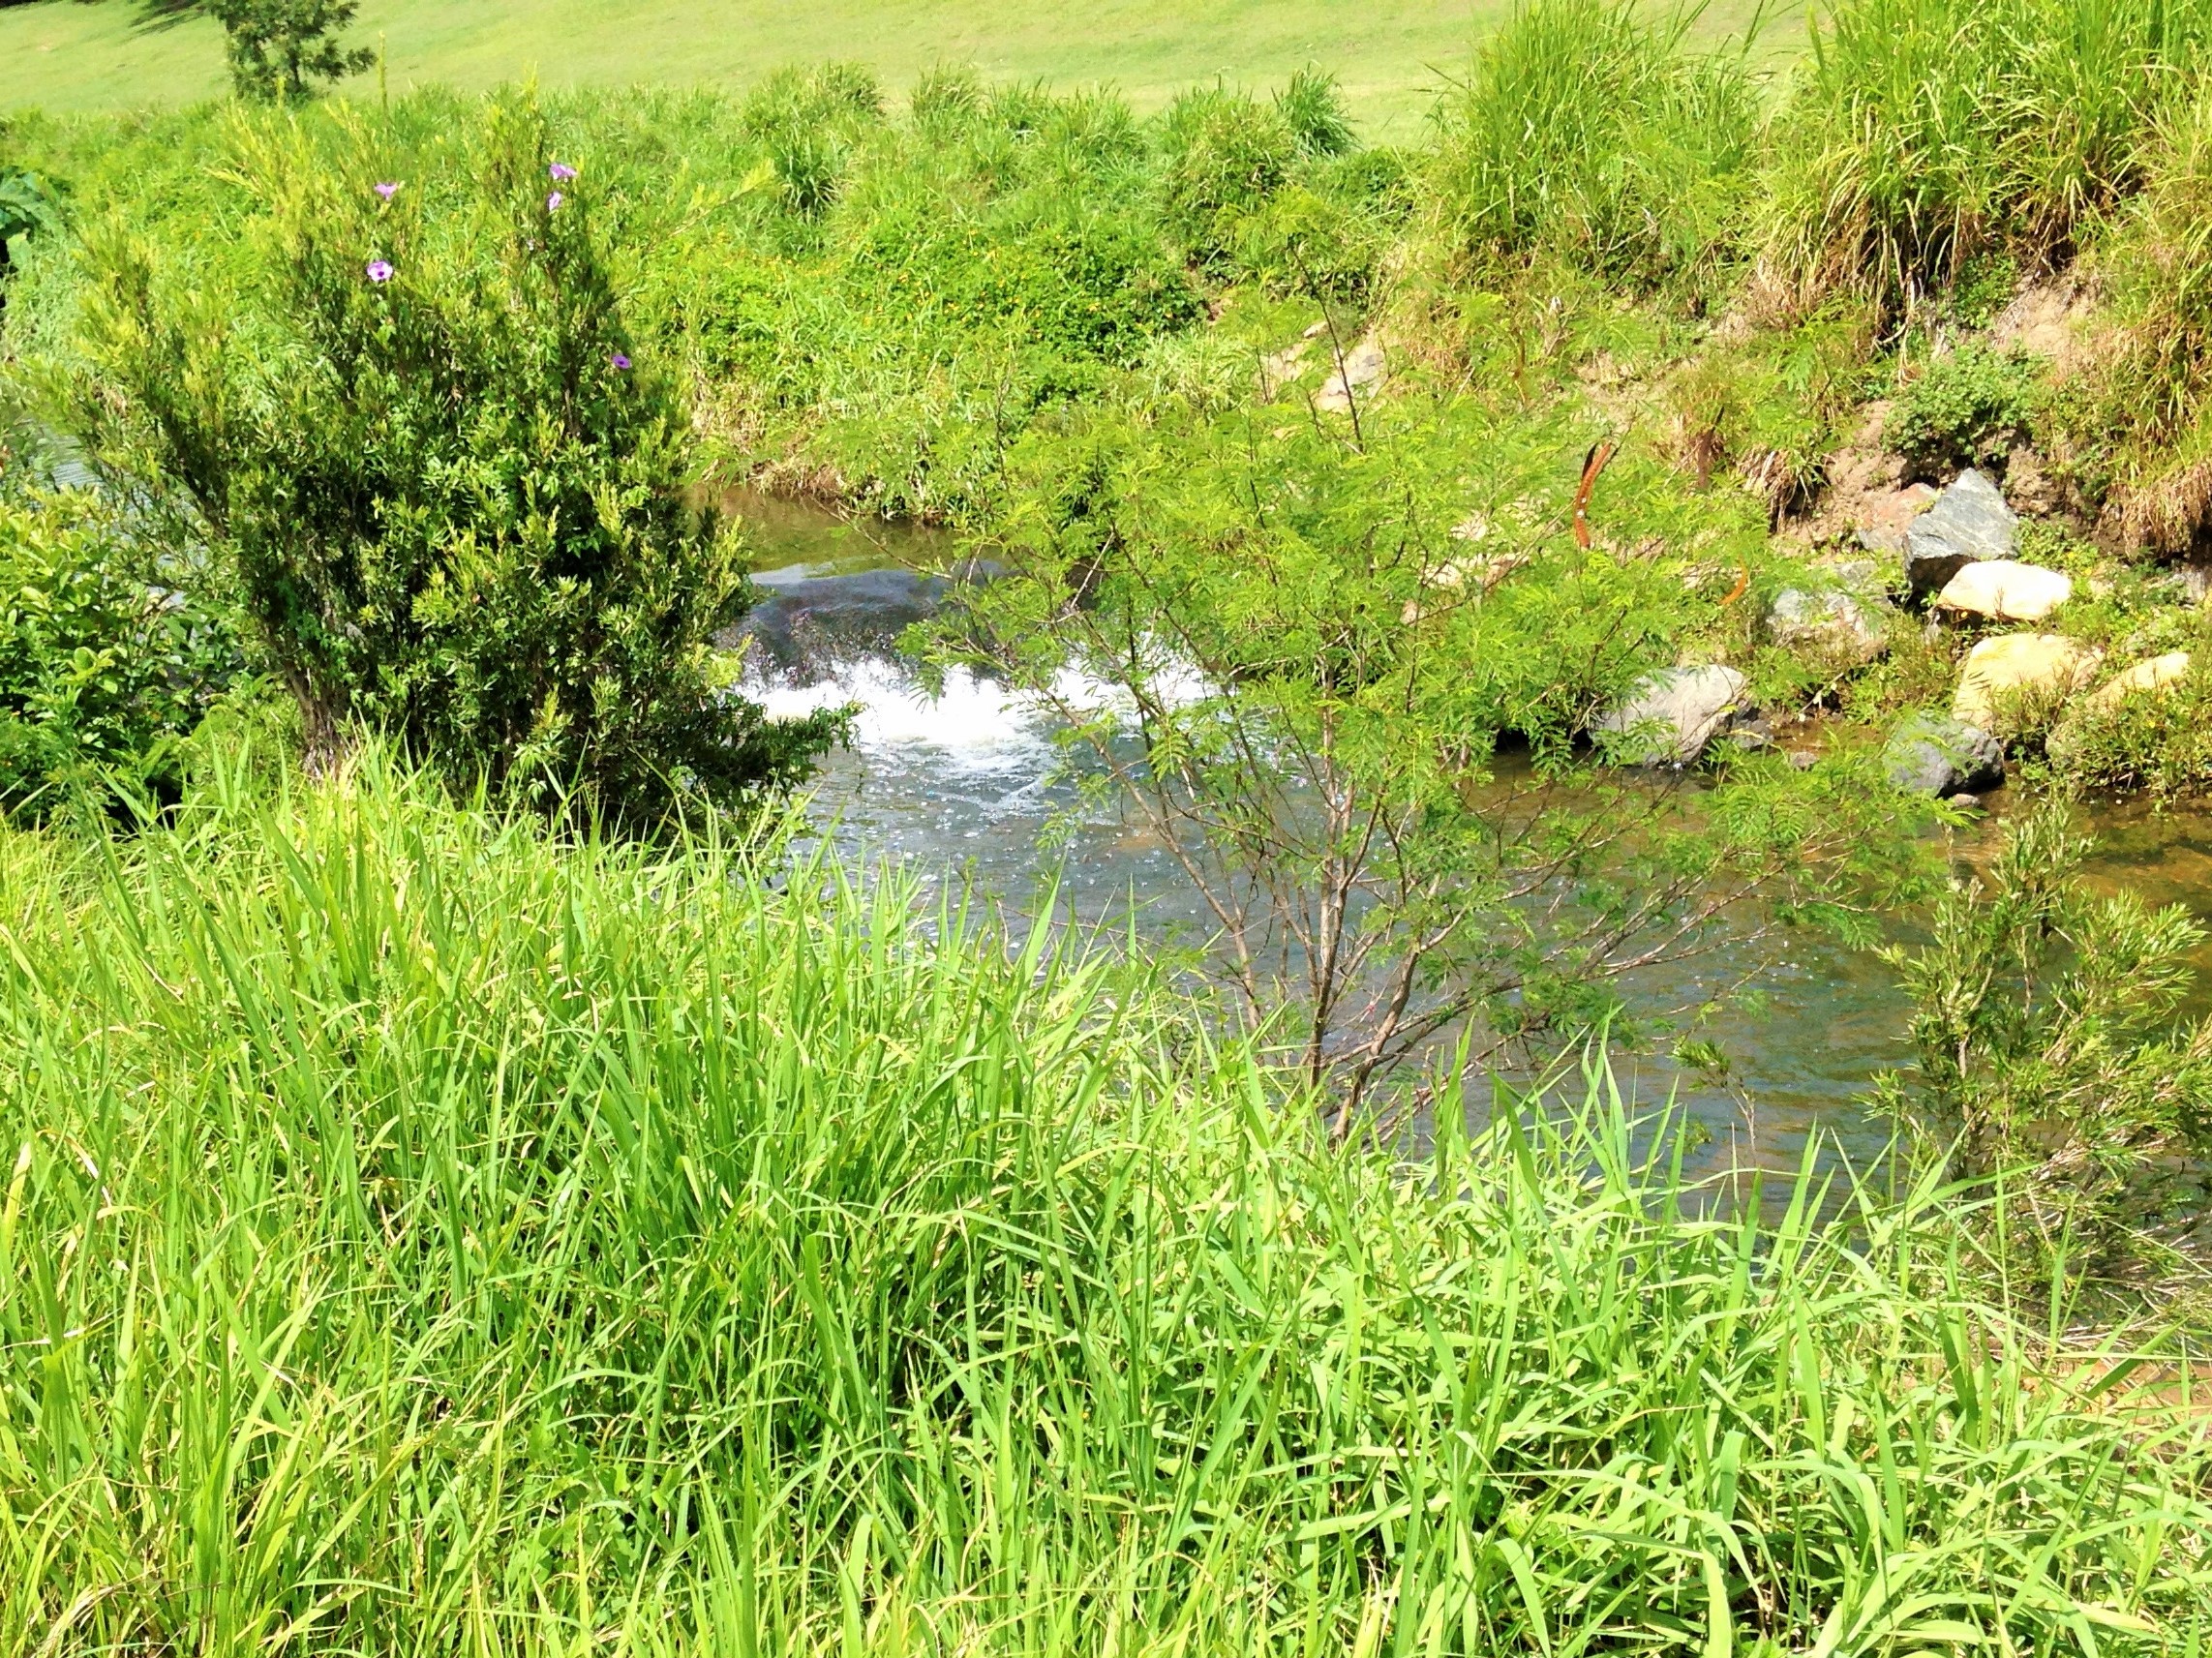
[{"x": 961, "y": 787}]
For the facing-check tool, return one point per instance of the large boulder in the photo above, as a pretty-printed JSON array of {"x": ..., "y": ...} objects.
[
  {"x": 2034, "y": 665},
  {"x": 1930, "y": 755},
  {"x": 1969, "y": 522},
  {"x": 1672, "y": 715},
  {"x": 2149, "y": 676},
  {"x": 1827, "y": 622},
  {"x": 2005, "y": 589}
]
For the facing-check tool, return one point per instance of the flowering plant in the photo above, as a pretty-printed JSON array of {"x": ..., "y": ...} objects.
[{"x": 455, "y": 511}]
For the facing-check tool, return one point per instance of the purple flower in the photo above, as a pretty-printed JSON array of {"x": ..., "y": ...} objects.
[
  {"x": 552, "y": 201},
  {"x": 562, "y": 173},
  {"x": 620, "y": 360},
  {"x": 379, "y": 270},
  {"x": 386, "y": 190}
]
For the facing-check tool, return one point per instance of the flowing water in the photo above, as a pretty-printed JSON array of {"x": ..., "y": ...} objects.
[{"x": 961, "y": 784}]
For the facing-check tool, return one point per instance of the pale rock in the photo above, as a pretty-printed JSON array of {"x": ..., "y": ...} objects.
[
  {"x": 1673, "y": 714},
  {"x": 1832, "y": 623},
  {"x": 1968, "y": 522},
  {"x": 2017, "y": 663},
  {"x": 2005, "y": 589},
  {"x": 1361, "y": 370},
  {"x": 2150, "y": 676}
]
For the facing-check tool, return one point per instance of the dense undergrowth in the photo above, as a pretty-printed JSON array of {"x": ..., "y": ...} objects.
[
  {"x": 436, "y": 1227},
  {"x": 427, "y": 1233}
]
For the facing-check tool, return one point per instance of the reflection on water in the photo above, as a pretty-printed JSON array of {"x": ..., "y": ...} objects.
[{"x": 963, "y": 784}]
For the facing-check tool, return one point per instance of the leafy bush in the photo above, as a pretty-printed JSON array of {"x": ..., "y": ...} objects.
[
  {"x": 454, "y": 503},
  {"x": 1591, "y": 133},
  {"x": 102, "y": 668},
  {"x": 1224, "y": 155},
  {"x": 2050, "y": 1049},
  {"x": 1966, "y": 408},
  {"x": 279, "y": 49}
]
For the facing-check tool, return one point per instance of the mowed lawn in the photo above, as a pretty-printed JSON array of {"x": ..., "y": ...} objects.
[{"x": 1391, "y": 56}]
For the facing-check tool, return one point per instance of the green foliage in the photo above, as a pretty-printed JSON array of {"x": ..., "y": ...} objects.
[
  {"x": 102, "y": 668},
  {"x": 26, "y": 204},
  {"x": 454, "y": 505},
  {"x": 1329, "y": 634},
  {"x": 1589, "y": 133},
  {"x": 443, "y": 1236},
  {"x": 2050, "y": 1049},
  {"x": 1920, "y": 134},
  {"x": 1224, "y": 155},
  {"x": 1965, "y": 408},
  {"x": 279, "y": 49},
  {"x": 1313, "y": 109},
  {"x": 2158, "y": 740}
]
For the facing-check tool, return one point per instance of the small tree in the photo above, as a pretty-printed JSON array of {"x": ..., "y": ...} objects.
[
  {"x": 1297, "y": 678},
  {"x": 279, "y": 49},
  {"x": 455, "y": 505}
]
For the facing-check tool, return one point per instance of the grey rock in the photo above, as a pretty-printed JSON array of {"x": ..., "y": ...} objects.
[
  {"x": 1672, "y": 715},
  {"x": 1360, "y": 370},
  {"x": 1969, "y": 522},
  {"x": 812, "y": 623},
  {"x": 1831, "y": 622},
  {"x": 1930, "y": 755}
]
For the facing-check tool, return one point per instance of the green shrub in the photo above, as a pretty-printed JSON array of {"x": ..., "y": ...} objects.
[
  {"x": 1312, "y": 110},
  {"x": 1593, "y": 134},
  {"x": 1966, "y": 408},
  {"x": 1224, "y": 155},
  {"x": 454, "y": 504},
  {"x": 2050, "y": 1047},
  {"x": 101, "y": 666}
]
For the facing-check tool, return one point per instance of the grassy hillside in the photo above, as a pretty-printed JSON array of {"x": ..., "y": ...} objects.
[{"x": 64, "y": 54}]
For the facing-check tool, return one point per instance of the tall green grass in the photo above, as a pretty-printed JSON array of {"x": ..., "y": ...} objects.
[
  {"x": 425, "y": 1235},
  {"x": 1923, "y": 133}
]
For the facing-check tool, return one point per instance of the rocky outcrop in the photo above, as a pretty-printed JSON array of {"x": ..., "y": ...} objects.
[
  {"x": 2019, "y": 666},
  {"x": 1671, "y": 717},
  {"x": 1969, "y": 522},
  {"x": 1930, "y": 755},
  {"x": 2005, "y": 589},
  {"x": 1829, "y": 623}
]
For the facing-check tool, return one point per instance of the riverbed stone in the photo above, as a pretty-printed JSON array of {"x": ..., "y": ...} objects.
[
  {"x": 1969, "y": 522},
  {"x": 1930, "y": 755},
  {"x": 2153, "y": 675},
  {"x": 1831, "y": 621},
  {"x": 2005, "y": 589},
  {"x": 2016, "y": 664},
  {"x": 1361, "y": 370},
  {"x": 1672, "y": 715}
]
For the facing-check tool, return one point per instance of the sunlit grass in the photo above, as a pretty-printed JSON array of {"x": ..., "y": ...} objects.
[
  {"x": 427, "y": 1236},
  {"x": 67, "y": 56}
]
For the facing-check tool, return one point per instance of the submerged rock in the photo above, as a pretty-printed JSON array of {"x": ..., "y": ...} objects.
[
  {"x": 2021, "y": 663},
  {"x": 829, "y": 619},
  {"x": 1831, "y": 622},
  {"x": 2005, "y": 591},
  {"x": 1930, "y": 755},
  {"x": 1672, "y": 715},
  {"x": 1969, "y": 522}
]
